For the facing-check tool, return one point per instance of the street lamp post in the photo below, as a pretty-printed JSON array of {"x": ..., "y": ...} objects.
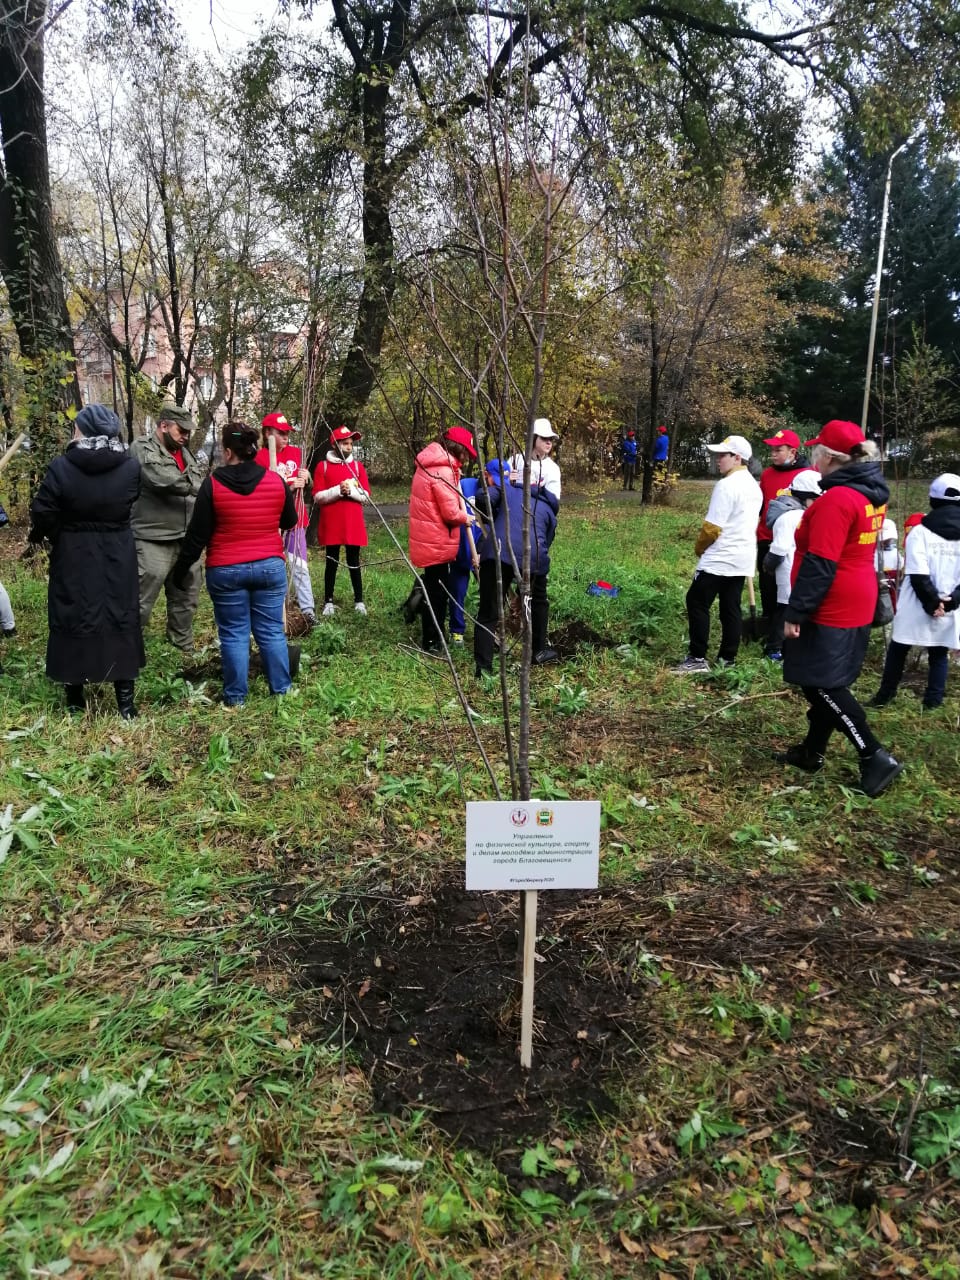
[{"x": 876, "y": 284}]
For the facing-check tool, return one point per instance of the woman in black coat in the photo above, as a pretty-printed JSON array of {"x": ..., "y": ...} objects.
[{"x": 83, "y": 506}]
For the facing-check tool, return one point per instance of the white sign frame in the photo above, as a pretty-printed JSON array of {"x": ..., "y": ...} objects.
[{"x": 516, "y": 845}]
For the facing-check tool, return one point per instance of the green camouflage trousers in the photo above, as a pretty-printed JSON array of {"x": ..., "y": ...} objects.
[{"x": 155, "y": 561}]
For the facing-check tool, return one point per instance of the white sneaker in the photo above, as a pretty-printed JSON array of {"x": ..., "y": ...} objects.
[
  {"x": 360, "y": 608},
  {"x": 329, "y": 609}
]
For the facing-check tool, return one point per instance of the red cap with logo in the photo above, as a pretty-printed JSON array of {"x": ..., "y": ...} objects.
[
  {"x": 276, "y": 420},
  {"x": 784, "y": 437},
  {"x": 839, "y": 436},
  {"x": 460, "y": 435},
  {"x": 344, "y": 433}
]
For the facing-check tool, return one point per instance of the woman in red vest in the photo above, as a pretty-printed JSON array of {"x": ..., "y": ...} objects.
[{"x": 240, "y": 510}]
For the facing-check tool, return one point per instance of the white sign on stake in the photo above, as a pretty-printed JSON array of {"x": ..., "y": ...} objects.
[
  {"x": 533, "y": 844},
  {"x": 529, "y": 845}
]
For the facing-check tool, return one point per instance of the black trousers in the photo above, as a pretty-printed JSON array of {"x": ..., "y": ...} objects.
[
  {"x": 705, "y": 588},
  {"x": 837, "y": 709},
  {"x": 330, "y": 573},
  {"x": 485, "y": 628},
  {"x": 629, "y": 474},
  {"x": 436, "y": 583},
  {"x": 768, "y": 583}
]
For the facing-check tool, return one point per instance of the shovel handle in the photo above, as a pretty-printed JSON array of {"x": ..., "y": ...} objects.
[{"x": 750, "y": 596}]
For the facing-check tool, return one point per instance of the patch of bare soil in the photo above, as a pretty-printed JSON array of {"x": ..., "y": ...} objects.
[{"x": 425, "y": 991}]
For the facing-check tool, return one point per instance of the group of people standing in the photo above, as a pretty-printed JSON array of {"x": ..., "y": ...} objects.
[
  {"x": 459, "y": 525},
  {"x": 124, "y": 525},
  {"x": 818, "y": 537}
]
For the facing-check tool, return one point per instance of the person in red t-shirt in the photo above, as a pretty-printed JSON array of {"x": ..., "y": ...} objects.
[
  {"x": 340, "y": 488},
  {"x": 832, "y": 602},
  {"x": 775, "y": 481},
  {"x": 294, "y": 474}
]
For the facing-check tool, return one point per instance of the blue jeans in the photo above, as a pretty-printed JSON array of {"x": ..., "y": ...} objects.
[
  {"x": 459, "y": 582},
  {"x": 249, "y": 597}
]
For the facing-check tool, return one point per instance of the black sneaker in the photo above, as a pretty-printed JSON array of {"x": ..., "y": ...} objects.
[
  {"x": 545, "y": 656},
  {"x": 801, "y": 757},
  {"x": 877, "y": 772},
  {"x": 881, "y": 699}
]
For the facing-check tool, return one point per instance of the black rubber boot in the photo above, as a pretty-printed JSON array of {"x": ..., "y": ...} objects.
[
  {"x": 801, "y": 757},
  {"x": 76, "y": 703},
  {"x": 125, "y": 704},
  {"x": 877, "y": 772}
]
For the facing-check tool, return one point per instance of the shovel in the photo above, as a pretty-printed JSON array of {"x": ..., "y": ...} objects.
[{"x": 752, "y": 626}]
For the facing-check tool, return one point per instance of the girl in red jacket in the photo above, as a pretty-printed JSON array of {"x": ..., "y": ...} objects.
[
  {"x": 437, "y": 512},
  {"x": 340, "y": 488}
]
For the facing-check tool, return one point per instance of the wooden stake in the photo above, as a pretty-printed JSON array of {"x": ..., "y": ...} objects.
[
  {"x": 272, "y": 451},
  {"x": 529, "y": 907},
  {"x": 13, "y": 449}
]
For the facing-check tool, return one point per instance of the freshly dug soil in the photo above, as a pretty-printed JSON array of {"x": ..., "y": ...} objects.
[{"x": 425, "y": 992}]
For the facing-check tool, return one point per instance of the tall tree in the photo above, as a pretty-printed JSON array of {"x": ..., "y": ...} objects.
[{"x": 29, "y": 258}]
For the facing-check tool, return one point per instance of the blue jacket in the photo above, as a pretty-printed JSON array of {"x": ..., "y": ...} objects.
[
  {"x": 469, "y": 487},
  {"x": 629, "y": 447},
  {"x": 661, "y": 448},
  {"x": 508, "y": 504}
]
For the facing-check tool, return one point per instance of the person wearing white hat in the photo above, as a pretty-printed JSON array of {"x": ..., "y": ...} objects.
[
  {"x": 544, "y": 471},
  {"x": 928, "y": 611},
  {"x": 727, "y": 551},
  {"x": 783, "y": 516}
]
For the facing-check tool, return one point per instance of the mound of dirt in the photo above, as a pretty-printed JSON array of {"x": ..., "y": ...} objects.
[{"x": 426, "y": 993}]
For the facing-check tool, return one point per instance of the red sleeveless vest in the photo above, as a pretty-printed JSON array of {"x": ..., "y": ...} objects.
[{"x": 246, "y": 525}]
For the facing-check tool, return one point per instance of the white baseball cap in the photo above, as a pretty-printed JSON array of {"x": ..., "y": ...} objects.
[
  {"x": 542, "y": 427},
  {"x": 888, "y": 530},
  {"x": 733, "y": 444},
  {"x": 807, "y": 481},
  {"x": 946, "y": 486}
]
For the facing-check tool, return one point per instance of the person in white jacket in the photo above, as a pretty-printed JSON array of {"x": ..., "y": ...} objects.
[
  {"x": 928, "y": 609},
  {"x": 543, "y": 470},
  {"x": 727, "y": 547},
  {"x": 783, "y": 516}
]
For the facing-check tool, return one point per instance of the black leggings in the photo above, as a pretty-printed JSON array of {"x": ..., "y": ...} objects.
[
  {"x": 330, "y": 573},
  {"x": 837, "y": 709}
]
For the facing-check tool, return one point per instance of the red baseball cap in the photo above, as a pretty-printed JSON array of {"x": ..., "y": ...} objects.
[
  {"x": 344, "y": 433},
  {"x": 839, "y": 436},
  {"x": 662, "y": 430},
  {"x": 784, "y": 437},
  {"x": 276, "y": 420},
  {"x": 460, "y": 435}
]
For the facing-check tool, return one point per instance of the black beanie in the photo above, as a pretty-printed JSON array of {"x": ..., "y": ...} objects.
[{"x": 97, "y": 420}]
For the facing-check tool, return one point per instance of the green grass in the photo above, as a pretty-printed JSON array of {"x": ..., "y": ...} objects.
[{"x": 166, "y": 1109}]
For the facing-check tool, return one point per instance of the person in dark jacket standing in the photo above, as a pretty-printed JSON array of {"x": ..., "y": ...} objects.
[
  {"x": 83, "y": 507},
  {"x": 832, "y": 602},
  {"x": 239, "y": 513},
  {"x": 505, "y": 542}
]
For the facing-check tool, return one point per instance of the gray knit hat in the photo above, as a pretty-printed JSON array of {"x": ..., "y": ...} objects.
[{"x": 97, "y": 420}]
